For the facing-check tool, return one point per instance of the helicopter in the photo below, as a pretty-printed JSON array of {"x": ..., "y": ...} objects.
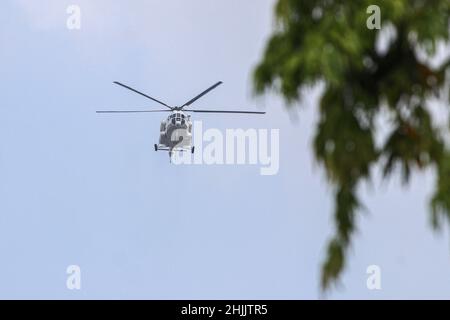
[{"x": 176, "y": 130}]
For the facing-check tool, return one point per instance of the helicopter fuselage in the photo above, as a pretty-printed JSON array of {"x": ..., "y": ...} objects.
[{"x": 175, "y": 133}]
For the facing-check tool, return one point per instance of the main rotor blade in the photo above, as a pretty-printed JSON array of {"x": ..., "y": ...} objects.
[
  {"x": 226, "y": 111},
  {"x": 142, "y": 94},
  {"x": 131, "y": 111},
  {"x": 201, "y": 94}
]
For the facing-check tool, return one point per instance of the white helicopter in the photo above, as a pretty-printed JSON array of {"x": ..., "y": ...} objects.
[{"x": 176, "y": 131}]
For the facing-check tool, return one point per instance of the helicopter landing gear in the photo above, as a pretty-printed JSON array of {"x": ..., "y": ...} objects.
[
  {"x": 192, "y": 149},
  {"x": 156, "y": 147}
]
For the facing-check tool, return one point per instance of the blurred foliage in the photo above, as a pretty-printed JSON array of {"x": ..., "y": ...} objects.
[{"x": 328, "y": 42}]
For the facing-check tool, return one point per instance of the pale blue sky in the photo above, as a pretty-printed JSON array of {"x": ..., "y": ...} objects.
[{"x": 79, "y": 188}]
